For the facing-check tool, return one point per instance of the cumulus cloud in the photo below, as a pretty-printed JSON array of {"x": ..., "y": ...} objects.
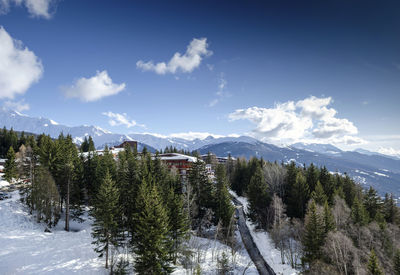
[
  {"x": 308, "y": 120},
  {"x": 185, "y": 63},
  {"x": 116, "y": 119},
  {"x": 19, "y": 106},
  {"x": 389, "y": 151},
  {"x": 19, "y": 67},
  {"x": 93, "y": 88},
  {"x": 36, "y": 8}
]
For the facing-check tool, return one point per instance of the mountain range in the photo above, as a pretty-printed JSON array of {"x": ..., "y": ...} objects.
[{"x": 368, "y": 168}]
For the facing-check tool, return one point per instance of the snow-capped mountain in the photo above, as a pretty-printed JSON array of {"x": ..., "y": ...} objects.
[
  {"x": 383, "y": 172},
  {"x": 101, "y": 137}
]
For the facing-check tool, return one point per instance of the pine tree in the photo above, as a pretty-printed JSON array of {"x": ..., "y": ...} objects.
[
  {"x": 178, "y": 222},
  {"x": 390, "y": 210},
  {"x": 373, "y": 265},
  {"x": 396, "y": 262},
  {"x": 259, "y": 199},
  {"x": 105, "y": 212},
  {"x": 348, "y": 189},
  {"x": 91, "y": 146},
  {"x": 372, "y": 203},
  {"x": 151, "y": 241},
  {"x": 224, "y": 209},
  {"x": 299, "y": 196},
  {"x": 313, "y": 237},
  {"x": 312, "y": 176},
  {"x": 327, "y": 183},
  {"x": 10, "y": 167},
  {"x": 290, "y": 180},
  {"x": 318, "y": 195},
  {"x": 358, "y": 213},
  {"x": 202, "y": 187},
  {"x": 329, "y": 220},
  {"x": 44, "y": 197}
]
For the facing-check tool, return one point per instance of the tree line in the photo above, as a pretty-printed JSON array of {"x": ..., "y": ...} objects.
[
  {"x": 137, "y": 204},
  {"x": 322, "y": 222}
]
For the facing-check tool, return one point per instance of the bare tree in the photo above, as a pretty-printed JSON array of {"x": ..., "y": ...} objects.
[
  {"x": 274, "y": 175},
  {"x": 341, "y": 212},
  {"x": 341, "y": 251}
]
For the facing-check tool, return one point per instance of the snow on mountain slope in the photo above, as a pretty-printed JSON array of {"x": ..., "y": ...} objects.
[{"x": 20, "y": 122}]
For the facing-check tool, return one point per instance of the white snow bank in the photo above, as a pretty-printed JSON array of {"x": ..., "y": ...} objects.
[
  {"x": 207, "y": 252},
  {"x": 381, "y": 174},
  {"x": 4, "y": 183},
  {"x": 27, "y": 249}
]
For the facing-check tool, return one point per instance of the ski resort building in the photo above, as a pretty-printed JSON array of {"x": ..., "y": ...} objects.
[
  {"x": 215, "y": 159},
  {"x": 181, "y": 162},
  {"x": 130, "y": 143}
]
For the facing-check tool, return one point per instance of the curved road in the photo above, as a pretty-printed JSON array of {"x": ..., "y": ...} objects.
[{"x": 255, "y": 255}]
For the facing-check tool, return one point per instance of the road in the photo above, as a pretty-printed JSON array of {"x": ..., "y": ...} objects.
[{"x": 255, "y": 255}]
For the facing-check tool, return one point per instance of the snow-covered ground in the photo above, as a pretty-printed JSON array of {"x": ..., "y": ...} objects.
[
  {"x": 265, "y": 244},
  {"x": 207, "y": 252},
  {"x": 26, "y": 249},
  {"x": 3, "y": 183}
]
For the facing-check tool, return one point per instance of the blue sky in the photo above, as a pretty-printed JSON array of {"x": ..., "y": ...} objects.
[{"x": 281, "y": 71}]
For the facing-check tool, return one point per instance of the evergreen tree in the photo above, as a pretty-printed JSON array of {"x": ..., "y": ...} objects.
[
  {"x": 151, "y": 241},
  {"x": 91, "y": 146},
  {"x": 290, "y": 181},
  {"x": 327, "y": 183},
  {"x": 238, "y": 179},
  {"x": 224, "y": 209},
  {"x": 329, "y": 220},
  {"x": 318, "y": 195},
  {"x": 202, "y": 188},
  {"x": 372, "y": 203},
  {"x": 312, "y": 176},
  {"x": 348, "y": 189},
  {"x": 390, "y": 210},
  {"x": 259, "y": 199},
  {"x": 396, "y": 262},
  {"x": 358, "y": 213},
  {"x": 178, "y": 222},
  {"x": 106, "y": 211},
  {"x": 85, "y": 145},
  {"x": 10, "y": 167},
  {"x": 313, "y": 237},
  {"x": 299, "y": 197},
  {"x": 44, "y": 197},
  {"x": 373, "y": 265}
]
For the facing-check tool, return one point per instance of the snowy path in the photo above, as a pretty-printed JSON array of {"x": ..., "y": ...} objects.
[{"x": 262, "y": 266}]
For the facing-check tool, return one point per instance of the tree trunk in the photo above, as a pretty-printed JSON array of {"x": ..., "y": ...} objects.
[
  {"x": 67, "y": 208},
  {"x": 107, "y": 253}
]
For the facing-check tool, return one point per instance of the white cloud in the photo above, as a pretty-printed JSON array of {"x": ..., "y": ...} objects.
[
  {"x": 19, "y": 67},
  {"x": 19, "y": 106},
  {"x": 221, "y": 92},
  {"x": 36, "y": 8},
  {"x": 185, "y": 63},
  {"x": 389, "y": 151},
  {"x": 94, "y": 88},
  {"x": 121, "y": 119},
  {"x": 308, "y": 120}
]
